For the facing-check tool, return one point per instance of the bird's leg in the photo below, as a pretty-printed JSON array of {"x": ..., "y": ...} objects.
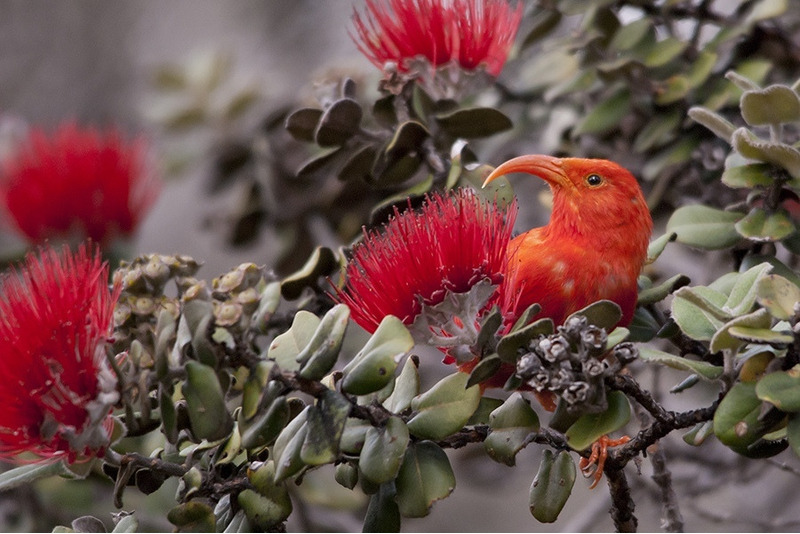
[{"x": 592, "y": 467}]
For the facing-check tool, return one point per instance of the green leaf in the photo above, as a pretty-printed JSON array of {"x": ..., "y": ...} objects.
[
  {"x": 270, "y": 504},
  {"x": 743, "y": 294},
  {"x": 719, "y": 125},
  {"x": 763, "y": 336},
  {"x": 703, "y": 227},
  {"x": 778, "y": 295},
  {"x": 358, "y": 164},
  {"x": 603, "y": 314},
  {"x": 736, "y": 419},
  {"x": 658, "y": 245},
  {"x": 752, "y": 147},
  {"x": 445, "y": 408},
  {"x": 317, "y": 162},
  {"x": 286, "y": 451},
  {"x": 660, "y": 130},
  {"x": 374, "y": 366},
  {"x": 761, "y": 226},
  {"x": 193, "y": 516},
  {"x": 703, "y": 369},
  {"x": 425, "y": 477},
  {"x": 320, "y": 354},
  {"x": 485, "y": 369},
  {"x": 26, "y": 474},
  {"x": 355, "y": 431},
  {"x": 383, "y": 514},
  {"x": 484, "y": 411},
  {"x": 552, "y": 486},
  {"x": 322, "y": 262},
  {"x": 782, "y": 389},
  {"x": 665, "y": 51},
  {"x": 509, "y": 344},
  {"x": 658, "y": 293},
  {"x": 262, "y": 512},
  {"x": 471, "y": 123},
  {"x": 724, "y": 340},
  {"x": 205, "y": 403},
  {"x": 774, "y": 104},
  {"x": 672, "y": 89},
  {"x": 748, "y": 176},
  {"x": 629, "y": 35},
  {"x": 698, "y": 311},
  {"x": 302, "y": 123},
  {"x": 702, "y": 68},
  {"x": 591, "y": 427},
  {"x": 325, "y": 423},
  {"x": 607, "y": 115},
  {"x": 699, "y": 433},
  {"x": 510, "y": 425},
  {"x": 338, "y": 123},
  {"x": 406, "y": 387},
  {"x": 408, "y": 138},
  {"x": 265, "y": 428},
  {"x": 127, "y": 523},
  {"x": 384, "y": 450},
  {"x": 285, "y": 347}
]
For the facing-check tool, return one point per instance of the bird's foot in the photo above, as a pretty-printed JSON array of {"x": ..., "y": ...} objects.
[{"x": 592, "y": 467}]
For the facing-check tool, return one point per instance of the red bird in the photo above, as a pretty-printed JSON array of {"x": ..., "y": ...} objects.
[{"x": 594, "y": 246}]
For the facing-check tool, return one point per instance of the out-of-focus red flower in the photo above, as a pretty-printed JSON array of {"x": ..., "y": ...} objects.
[
  {"x": 471, "y": 33},
  {"x": 78, "y": 183},
  {"x": 453, "y": 242},
  {"x": 56, "y": 387}
]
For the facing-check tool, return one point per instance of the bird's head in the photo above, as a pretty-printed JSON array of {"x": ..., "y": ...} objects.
[{"x": 592, "y": 198}]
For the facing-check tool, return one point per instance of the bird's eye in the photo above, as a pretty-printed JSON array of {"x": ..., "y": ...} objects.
[{"x": 594, "y": 179}]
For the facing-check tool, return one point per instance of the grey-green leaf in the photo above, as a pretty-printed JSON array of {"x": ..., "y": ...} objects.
[
  {"x": 703, "y": 369},
  {"x": 424, "y": 478},
  {"x": 384, "y": 450},
  {"x": 445, "y": 408},
  {"x": 374, "y": 366},
  {"x": 510, "y": 424},
  {"x": 704, "y": 227}
]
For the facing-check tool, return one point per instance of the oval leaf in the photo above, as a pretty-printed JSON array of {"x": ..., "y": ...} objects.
[
  {"x": 384, "y": 450},
  {"x": 775, "y": 104},
  {"x": 781, "y": 388},
  {"x": 703, "y": 227},
  {"x": 591, "y": 427},
  {"x": 205, "y": 403},
  {"x": 425, "y": 477},
  {"x": 445, "y": 408},
  {"x": 338, "y": 123},
  {"x": 552, "y": 486},
  {"x": 510, "y": 424},
  {"x": 736, "y": 419},
  {"x": 472, "y": 123},
  {"x": 374, "y": 366},
  {"x": 761, "y": 226},
  {"x": 703, "y": 369},
  {"x": 778, "y": 295}
]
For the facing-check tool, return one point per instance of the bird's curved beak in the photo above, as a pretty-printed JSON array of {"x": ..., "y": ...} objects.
[{"x": 548, "y": 168}]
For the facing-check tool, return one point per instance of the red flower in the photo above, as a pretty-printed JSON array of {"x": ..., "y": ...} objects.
[
  {"x": 472, "y": 33},
  {"x": 454, "y": 241},
  {"x": 78, "y": 181},
  {"x": 56, "y": 388}
]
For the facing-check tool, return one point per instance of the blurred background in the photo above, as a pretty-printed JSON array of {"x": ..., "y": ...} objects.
[{"x": 110, "y": 63}]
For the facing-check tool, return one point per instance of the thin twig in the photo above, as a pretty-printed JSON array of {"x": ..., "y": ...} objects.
[{"x": 673, "y": 520}]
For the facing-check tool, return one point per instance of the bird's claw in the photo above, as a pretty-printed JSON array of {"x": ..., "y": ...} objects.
[{"x": 592, "y": 467}]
